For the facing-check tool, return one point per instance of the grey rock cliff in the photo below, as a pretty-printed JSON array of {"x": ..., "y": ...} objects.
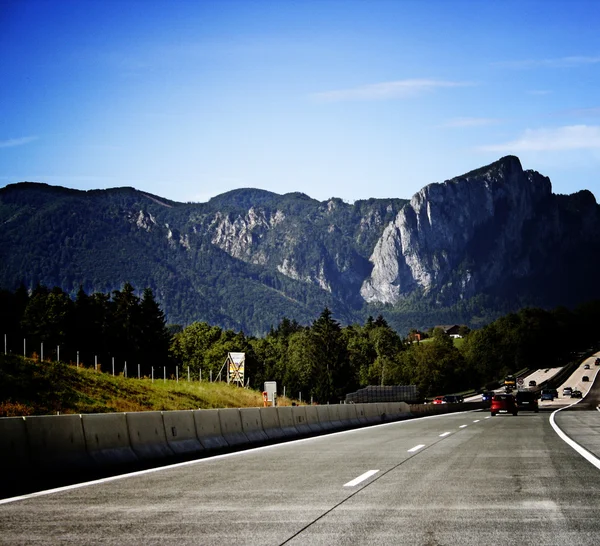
[{"x": 462, "y": 234}]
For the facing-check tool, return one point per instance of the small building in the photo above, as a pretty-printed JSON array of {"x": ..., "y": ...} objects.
[{"x": 452, "y": 330}]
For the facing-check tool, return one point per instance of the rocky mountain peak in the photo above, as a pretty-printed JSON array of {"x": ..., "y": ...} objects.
[{"x": 438, "y": 231}]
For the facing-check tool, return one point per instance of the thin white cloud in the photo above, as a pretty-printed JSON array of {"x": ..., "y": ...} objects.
[
  {"x": 559, "y": 62},
  {"x": 539, "y": 92},
  {"x": 11, "y": 142},
  {"x": 470, "y": 122},
  {"x": 388, "y": 90},
  {"x": 572, "y": 137}
]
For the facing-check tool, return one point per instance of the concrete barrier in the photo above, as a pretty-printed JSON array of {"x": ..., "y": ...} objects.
[
  {"x": 57, "y": 443},
  {"x": 300, "y": 415},
  {"x": 334, "y": 416},
  {"x": 398, "y": 410},
  {"x": 231, "y": 427},
  {"x": 287, "y": 421},
  {"x": 348, "y": 416},
  {"x": 14, "y": 448},
  {"x": 147, "y": 435},
  {"x": 360, "y": 414},
  {"x": 107, "y": 439},
  {"x": 180, "y": 431},
  {"x": 372, "y": 414},
  {"x": 270, "y": 423},
  {"x": 325, "y": 419},
  {"x": 252, "y": 425},
  {"x": 208, "y": 429},
  {"x": 384, "y": 410},
  {"x": 312, "y": 419}
]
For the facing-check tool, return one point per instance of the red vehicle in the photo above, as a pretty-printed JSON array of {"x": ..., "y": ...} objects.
[
  {"x": 439, "y": 400},
  {"x": 504, "y": 403}
]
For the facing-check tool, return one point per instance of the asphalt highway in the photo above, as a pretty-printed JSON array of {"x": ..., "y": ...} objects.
[{"x": 464, "y": 478}]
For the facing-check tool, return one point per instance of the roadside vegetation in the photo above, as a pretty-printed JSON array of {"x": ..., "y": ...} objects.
[
  {"x": 320, "y": 362},
  {"x": 30, "y": 387}
]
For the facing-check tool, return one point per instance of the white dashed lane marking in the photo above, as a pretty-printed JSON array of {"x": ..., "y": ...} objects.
[{"x": 361, "y": 478}]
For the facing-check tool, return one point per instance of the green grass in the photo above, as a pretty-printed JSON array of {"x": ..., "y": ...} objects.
[{"x": 28, "y": 387}]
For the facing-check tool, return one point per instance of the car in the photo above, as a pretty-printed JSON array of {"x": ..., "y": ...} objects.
[
  {"x": 503, "y": 403},
  {"x": 527, "y": 400},
  {"x": 487, "y": 396},
  {"x": 548, "y": 394},
  {"x": 586, "y": 367},
  {"x": 585, "y": 378},
  {"x": 439, "y": 400},
  {"x": 597, "y": 362},
  {"x": 567, "y": 391},
  {"x": 532, "y": 383},
  {"x": 451, "y": 399},
  {"x": 576, "y": 394}
]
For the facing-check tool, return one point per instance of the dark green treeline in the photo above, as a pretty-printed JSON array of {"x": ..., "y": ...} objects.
[
  {"x": 89, "y": 329},
  {"x": 323, "y": 360}
]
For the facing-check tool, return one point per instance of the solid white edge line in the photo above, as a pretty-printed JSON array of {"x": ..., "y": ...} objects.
[
  {"x": 580, "y": 449},
  {"x": 444, "y": 434},
  {"x": 416, "y": 448},
  {"x": 361, "y": 478}
]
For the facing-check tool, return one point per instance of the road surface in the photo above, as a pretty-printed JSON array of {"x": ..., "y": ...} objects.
[{"x": 464, "y": 478}]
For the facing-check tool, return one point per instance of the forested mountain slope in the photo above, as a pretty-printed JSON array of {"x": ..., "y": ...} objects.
[{"x": 464, "y": 250}]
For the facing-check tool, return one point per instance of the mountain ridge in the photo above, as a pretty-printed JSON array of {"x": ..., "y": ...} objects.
[{"x": 248, "y": 257}]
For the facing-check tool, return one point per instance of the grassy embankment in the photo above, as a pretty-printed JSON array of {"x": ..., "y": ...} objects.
[{"x": 29, "y": 387}]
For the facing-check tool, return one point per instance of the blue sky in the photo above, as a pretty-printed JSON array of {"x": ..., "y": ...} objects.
[{"x": 352, "y": 99}]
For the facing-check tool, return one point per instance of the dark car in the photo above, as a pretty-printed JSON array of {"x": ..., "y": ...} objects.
[
  {"x": 585, "y": 378},
  {"x": 597, "y": 362},
  {"x": 527, "y": 400},
  {"x": 504, "y": 403},
  {"x": 532, "y": 383},
  {"x": 586, "y": 367},
  {"x": 451, "y": 399},
  {"x": 487, "y": 396},
  {"x": 576, "y": 394}
]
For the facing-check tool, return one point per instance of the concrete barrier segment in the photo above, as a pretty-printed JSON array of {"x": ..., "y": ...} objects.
[
  {"x": 180, "y": 431},
  {"x": 271, "y": 423},
  {"x": 14, "y": 447},
  {"x": 147, "y": 435},
  {"x": 252, "y": 425},
  {"x": 334, "y": 416},
  {"x": 312, "y": 419},
  {"x": 348, "y": 415},
  {"x": 208, "y": 429},
  {"x": 325, "y": 418},
  {"x": 57, "y": 443},
  {"x": 287, "y": 422},
  {"x": 107, "y": 439},
  {"x": 360, "y": 414},
  {"x": 372, "y": 414},
  {"x": 299, "y": 414},
  {"x": 231, "y": 427}
]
